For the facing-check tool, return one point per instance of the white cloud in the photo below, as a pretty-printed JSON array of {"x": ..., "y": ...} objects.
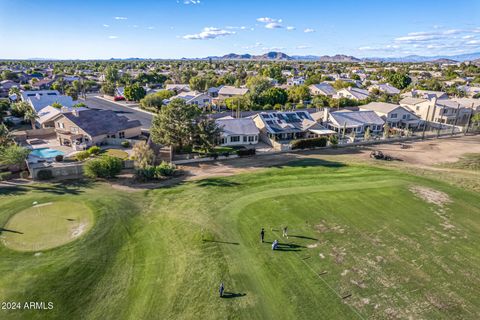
[
  {"x": 236, "y": 28},
  {"x": 150, "y": 28},
  {"x": 309, "y": 30},
  {"x": 106, "y": 26},
  {"x": 302, "y": 47},
  {"x": 269, "y": 20},
  {"x": 120, "y": 18},
  {"x": 291, "y": 28},
  {"x": 112, "y": 37},
  {"x": 273, "y": 25},
  {"x": 416, "y": 38},
  {"x": 191, "y": 1},
  {"x": 468, "y": 37},
  {"x": 208, "y": 33}
]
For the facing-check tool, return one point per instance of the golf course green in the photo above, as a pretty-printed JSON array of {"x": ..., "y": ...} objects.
[{"x": 363, "y": 243}]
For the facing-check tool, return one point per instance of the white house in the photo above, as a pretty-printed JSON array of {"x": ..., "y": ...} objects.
[
  {"x": 238, "y": 132},
  {"x": 42, "y": 98},
  {"x": 393, "y": 114},
  {"x": 356, "y": 121},
  {"x": 193, "y": 97},
  {"x": 353, "y": 93},
  {"x": 323, "y": 88},
  {"x": 438, "y": 110},
  {"x": 295, "y": 81},
  {"x": 230, "y": 91}
]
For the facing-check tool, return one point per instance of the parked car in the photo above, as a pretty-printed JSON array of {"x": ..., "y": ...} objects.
[{"x": 118, "y": 98}]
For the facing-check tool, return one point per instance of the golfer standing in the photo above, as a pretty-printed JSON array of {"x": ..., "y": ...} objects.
[
  {"x": 285, "y": 232},
  {"x": 221, "y": 289},
  {"x": 262, "y": 235}
]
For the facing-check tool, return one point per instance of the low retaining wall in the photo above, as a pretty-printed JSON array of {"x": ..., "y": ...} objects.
[{"x": 207, "y": 159}]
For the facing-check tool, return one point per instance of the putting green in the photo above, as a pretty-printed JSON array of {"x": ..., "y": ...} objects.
[{"x": 47, "y": 225}]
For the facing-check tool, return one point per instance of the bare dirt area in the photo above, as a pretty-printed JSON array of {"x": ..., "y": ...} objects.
[{"x": 421, "y": 154}]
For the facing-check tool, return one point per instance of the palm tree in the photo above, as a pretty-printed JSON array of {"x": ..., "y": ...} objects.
[
  {"x": 14, "y": 91},
  {"x": 31, "y": 115}
]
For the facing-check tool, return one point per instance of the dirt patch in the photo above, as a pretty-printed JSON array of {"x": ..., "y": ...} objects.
[
  {"x": 311, "y": 246},
  {"x": 338, "y": 254},
  {"x": 429, "y": 195},
  {"x": 78, "y": 231}
]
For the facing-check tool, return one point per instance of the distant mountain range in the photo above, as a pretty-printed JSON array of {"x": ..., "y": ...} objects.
[
  {"x": 280, "y": 56},
  {"x": 273, "y": 55}
]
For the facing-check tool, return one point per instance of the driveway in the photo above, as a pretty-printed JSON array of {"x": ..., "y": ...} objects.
[{"x": 95, "y": 102}]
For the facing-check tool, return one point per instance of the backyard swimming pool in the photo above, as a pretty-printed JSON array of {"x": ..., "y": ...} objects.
[{"x": 46, "y": 153}]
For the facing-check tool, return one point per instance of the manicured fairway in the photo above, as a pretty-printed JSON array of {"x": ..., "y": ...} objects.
[
  {"x": 47, "y": 225},
  {"x": 363, "y": 243}
]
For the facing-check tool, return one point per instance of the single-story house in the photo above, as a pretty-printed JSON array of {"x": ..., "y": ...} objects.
[
  {"x": 295, "y": 81},
  {"x": 356, "y": 121},
  {"x": 84, "y": 128},
  {"x": 41, "y": 98},
  {"x": 230, "y": 91},
  {"x": 425, "y": 94},
  {"x": 353, "y": 93},
  {"x": 5, "y": 87},
  {"x": 238, "y": 132},
  {"x": 323, "y": 88},
  {"x": 284, "y": 127},
  {"x": 193, "y": 97},
  {"x": 178, "y": 88}
]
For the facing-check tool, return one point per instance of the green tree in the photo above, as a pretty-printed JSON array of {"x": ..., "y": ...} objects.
[
  {"x": 134, "y": 92},
  {"x": 198, "y": 83},
  {"x": 274, "y": 96},
  {"x": 13, "y": 155},
  {"x": 72, "y": 92},
  {"x": 398, "y": 80},
  {"x": 5, "y": 136},
  {"x": 298, "y": 93},
  {"x": 18, "y": 109},
  {"x": 367, "y": 135},
  {"x": 155, "y": 100},
  {"x": 14, "y": 91},
  {"x": 111, "y": 75},
  {"x": 31, "y": 115},
  {"x": 108, "y": 89},
  {"x": 4, "y": 107},
  {"x": 174, "y": 125},
  {"x": 143, "y": 155},
  {"x": 207, "y": 134}
]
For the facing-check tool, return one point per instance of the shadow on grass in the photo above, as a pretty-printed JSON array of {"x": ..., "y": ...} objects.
[
  {"x": 287, "y": 246},
  {"x": 225, "y": 242},
  {"x": 231, "y": 295},
  {"x": 8, "y": 230},
  {"x": 216, "y": 182},
  {"x": 71, "y": 187},
  {"x": 302, "y": 237},
  {"x": 313, "y": 163}
]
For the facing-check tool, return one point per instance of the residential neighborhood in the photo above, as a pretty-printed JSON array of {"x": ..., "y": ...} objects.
[{"x": 202, "y": 159}]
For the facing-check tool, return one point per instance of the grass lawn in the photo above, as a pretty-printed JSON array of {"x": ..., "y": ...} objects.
[
  {"x": 46, "y": 225},
  {"x": 116, "y": 153},
  {"x": 363, "y": 242}
]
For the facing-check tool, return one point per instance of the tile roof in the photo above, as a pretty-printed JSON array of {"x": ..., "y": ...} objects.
[
  {"x": 241, "y": 126},
  {"x": 100, "y": 122}
]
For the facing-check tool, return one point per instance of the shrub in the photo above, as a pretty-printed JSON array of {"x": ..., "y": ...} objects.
[
  {"x": 59, "y": 158},
  {"x": 246, "y": 152},
  {"x": 226, "y": 154},
  {"x": 95, "y": 150},
  {"x": 166, "y": 169},
  {"x": 155, "y": 172},
  {"x": 333, "y": 140},
  {"x": 82, "y": 155},
  {"x": 44, "y": 174},
  {"x": 125, "y": 144},
  {"x": 309, "y": 143},
  {"x": 5, "y": 176},
  {"x": 213, "y": 155},
  {"x": 24, "y": 174},
  {"x": 104, "y": 167}
]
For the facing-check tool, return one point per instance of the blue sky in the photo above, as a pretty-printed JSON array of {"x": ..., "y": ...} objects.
[{"x": 86, "y": 29}]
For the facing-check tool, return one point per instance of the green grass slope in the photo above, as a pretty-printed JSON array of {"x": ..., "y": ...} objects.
[{"x": 361, "y": 245}]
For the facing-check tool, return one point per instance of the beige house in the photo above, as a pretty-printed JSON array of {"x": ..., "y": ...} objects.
[
  {"x": 438, "y": 110},
  {"x": 81, "y": 129}
]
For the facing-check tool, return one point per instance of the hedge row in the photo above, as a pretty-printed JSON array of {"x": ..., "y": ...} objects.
[{"x": 310, "y": 143}]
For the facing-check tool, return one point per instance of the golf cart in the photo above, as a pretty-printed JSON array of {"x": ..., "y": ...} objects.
[{"x": 379, "y": 155}]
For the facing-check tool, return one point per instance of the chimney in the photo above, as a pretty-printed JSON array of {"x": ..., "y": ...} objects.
[
  {"x": 76, "y": 112},
  {"x": 326, "y": 114}
]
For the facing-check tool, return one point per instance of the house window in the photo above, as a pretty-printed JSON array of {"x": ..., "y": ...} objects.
[
  {"x": 251, "y": 138},
  {"x": 393, "y": 115},
  {"x": 418, "y": 108},
  {"x": 244, "y": 138},
  {"x": 256, "y": 138},
  {"x": 74, "y": 129},
  {"x": 121, "y": 134},
  {"x": 235, "y": 139}
]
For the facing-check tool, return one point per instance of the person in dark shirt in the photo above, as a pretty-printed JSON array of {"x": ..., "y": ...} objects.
[
  {"x": 262, "y": 235},
  {"x": 221, "y": 289}
]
